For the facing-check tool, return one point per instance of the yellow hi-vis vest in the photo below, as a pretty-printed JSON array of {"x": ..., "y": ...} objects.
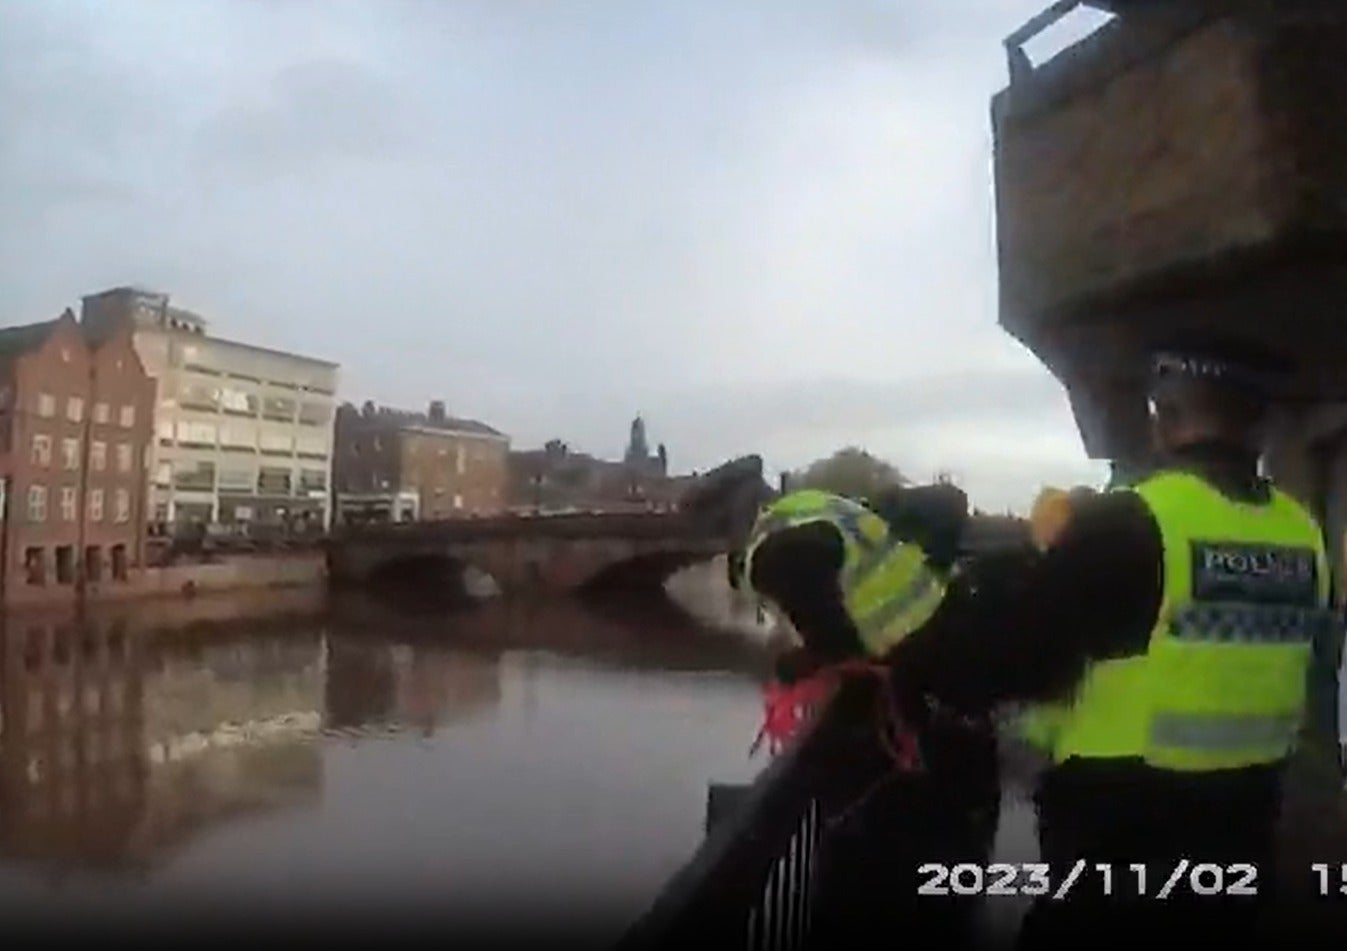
[
  {"x": 1222, "y": 683},
  {"x": 887, "y": 588}
]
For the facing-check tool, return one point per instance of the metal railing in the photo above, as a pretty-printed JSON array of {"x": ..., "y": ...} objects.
[
  {"x": 762, "y": 877},
  {"x": 754, "y": 883}
]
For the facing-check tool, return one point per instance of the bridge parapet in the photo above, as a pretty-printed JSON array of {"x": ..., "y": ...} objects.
[
  {"x": 552, "y": 553},
  {"x": 569, "y": 525}
]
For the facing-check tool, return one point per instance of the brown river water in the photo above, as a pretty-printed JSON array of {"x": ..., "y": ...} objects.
[
  {"x": 511, "y": 770},
  {"x": 508, "y": 763}
]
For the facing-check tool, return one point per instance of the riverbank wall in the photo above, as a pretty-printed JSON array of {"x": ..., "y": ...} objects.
[{"x": 239, "y": 573}]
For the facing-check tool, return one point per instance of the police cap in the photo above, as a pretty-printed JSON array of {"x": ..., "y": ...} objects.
[{"x": 1237, "y": 364}]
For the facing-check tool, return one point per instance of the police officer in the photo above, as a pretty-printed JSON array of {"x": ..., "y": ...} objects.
[
  {"x": 854, "y": 583},
  {"x": 1173, "y": 619},
  {"x": 833, "y": 568}
]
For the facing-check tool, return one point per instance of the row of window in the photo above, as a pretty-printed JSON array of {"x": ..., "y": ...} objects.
[
  {"x": 243, "y": 403},
  {"x": 196, "y": 433},
  {"x": 68, "y": 566},
  {"x": 37, "y": 504},
  {"x": 70, "y": 454},
  {"x": 266, "y": 480},
  {"x": 462, "y": 455},
  {"x": 74, "y": 410}
]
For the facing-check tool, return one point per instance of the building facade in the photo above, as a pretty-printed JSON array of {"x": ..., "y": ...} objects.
[
  {"x": 242, "y": 434},
  {"x": 556, "y": 479},
  {"x": 396, "y": 465},
  {"x": 74, "y": 437}
]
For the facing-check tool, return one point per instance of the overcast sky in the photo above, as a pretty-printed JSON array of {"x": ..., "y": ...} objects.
[{"x": 765, "y": 224}]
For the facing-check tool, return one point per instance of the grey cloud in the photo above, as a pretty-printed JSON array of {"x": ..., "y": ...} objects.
[
  {"x": 730, "y": 215},
  {"x": 311, "y": 113},
  {"x": 707, "y": 424}
]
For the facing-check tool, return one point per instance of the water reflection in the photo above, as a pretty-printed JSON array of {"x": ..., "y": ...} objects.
[{"x": 548, "y": 759}]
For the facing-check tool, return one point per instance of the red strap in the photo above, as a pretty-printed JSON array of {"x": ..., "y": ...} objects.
[{"x": 787, "y": 707}]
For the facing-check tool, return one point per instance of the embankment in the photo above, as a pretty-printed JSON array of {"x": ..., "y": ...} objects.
[{"x": 225, "y": 574}]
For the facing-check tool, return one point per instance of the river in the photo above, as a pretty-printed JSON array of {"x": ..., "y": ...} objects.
[
  {"x": 505, "y": 771},
  {"x": 545, "y": 764}
]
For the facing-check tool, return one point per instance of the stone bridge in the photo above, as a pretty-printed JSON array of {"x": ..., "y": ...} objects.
[{"x": 558, "y": 552}]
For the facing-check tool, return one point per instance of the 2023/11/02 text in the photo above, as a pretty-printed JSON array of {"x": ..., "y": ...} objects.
[{"x": 1238, "y": 879}]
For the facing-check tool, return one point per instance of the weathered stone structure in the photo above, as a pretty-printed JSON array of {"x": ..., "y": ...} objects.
[{"x": 1185, "y": 169}]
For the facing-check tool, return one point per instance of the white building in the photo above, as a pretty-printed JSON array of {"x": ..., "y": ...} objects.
[{"x": 243, "y": 433}]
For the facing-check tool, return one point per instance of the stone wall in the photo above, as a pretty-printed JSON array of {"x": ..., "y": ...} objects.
[{"x": 230, "y": 573}]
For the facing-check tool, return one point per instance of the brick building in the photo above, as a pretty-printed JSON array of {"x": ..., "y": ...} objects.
[
  {"x": 396, "y": 465},
  {"x": 555, "y": 478},
  {"x": 75, "y": 417},
  {"x": 242, "y": 433}
]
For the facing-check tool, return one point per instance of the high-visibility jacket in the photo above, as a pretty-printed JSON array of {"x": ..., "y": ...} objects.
[
  {"x": 1222, "y": 683},
  {"x": 887, "y": 587}
]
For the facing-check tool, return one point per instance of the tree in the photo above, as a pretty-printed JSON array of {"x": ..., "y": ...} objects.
[{"x": 851, "y": 471}]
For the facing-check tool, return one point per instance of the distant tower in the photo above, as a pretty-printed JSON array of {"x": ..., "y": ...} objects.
[
  {"x": 663, "y": 460},
  {"x": 638, "y": 450}
]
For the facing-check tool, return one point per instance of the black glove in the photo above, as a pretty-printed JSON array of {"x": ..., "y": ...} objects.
[{"x": 932, "y": 516}]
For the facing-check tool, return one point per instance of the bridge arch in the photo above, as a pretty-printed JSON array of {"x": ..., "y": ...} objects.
[
  {"x": 644, "y": 571},
  {"x": 440, "y": 574}
]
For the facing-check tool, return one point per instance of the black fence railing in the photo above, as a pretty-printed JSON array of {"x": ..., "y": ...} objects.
[
  {"x": 781, "y": 870},
  {"x": 755, "y": 881}
]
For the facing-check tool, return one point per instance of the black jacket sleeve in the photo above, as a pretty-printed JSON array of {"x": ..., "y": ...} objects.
[
  {"x": 1093, "y": 596},
  {"x": 797, "y": 568}
]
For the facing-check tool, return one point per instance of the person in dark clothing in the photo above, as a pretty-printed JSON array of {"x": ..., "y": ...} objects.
[
  {"x": 892, "y": 822},
  {"x": 1110, "y": 599}
]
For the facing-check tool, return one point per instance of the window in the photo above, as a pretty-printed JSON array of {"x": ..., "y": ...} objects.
[
  {"x": 238, "y": 435},
  {"x": 196, "y": 396},
  {"x": 124, "y": 457},
  {"x": 65, "y": 564},
  {"x": 313, "y": 480},
  {"x": 237, "y": 402},
  {"x": 70, "y": 454},
  {"x": 123, "y": 505},
  {"x": 95, "y": 505},
  {"x": 278, "y": 443},
  {"x": 68, "y": 503},
  {"x": 37, "y": 503},
  {"x": 238, "y": 479},
  {"x": 196, "y": 434},
  {"x": 35, "y": 568},
  {"x": 74, "y": 409},
  {"x": 128, "y": 416},
  {"x": 41, "y": 450},
  {"x": 314, "y": 414},
  {"x": 165, "y": 429},
  {"x": 312, "y": 447},
  {"x": 278, "y": 407},
  {"x": 46, "y": 404},
  {"x": 163, "y": 475},
  {"x": 197, "y": 478},
  {"x": 460, "y": 459},
  {"x": 458, "y": 501},
  {"x": 102, "y": 412},
  {"x": 98, "y": 456},
  {"x": 273, "y": 481}
]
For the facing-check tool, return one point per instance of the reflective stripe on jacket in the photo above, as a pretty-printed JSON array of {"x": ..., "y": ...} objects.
[{"x": 886, "y": 586}]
